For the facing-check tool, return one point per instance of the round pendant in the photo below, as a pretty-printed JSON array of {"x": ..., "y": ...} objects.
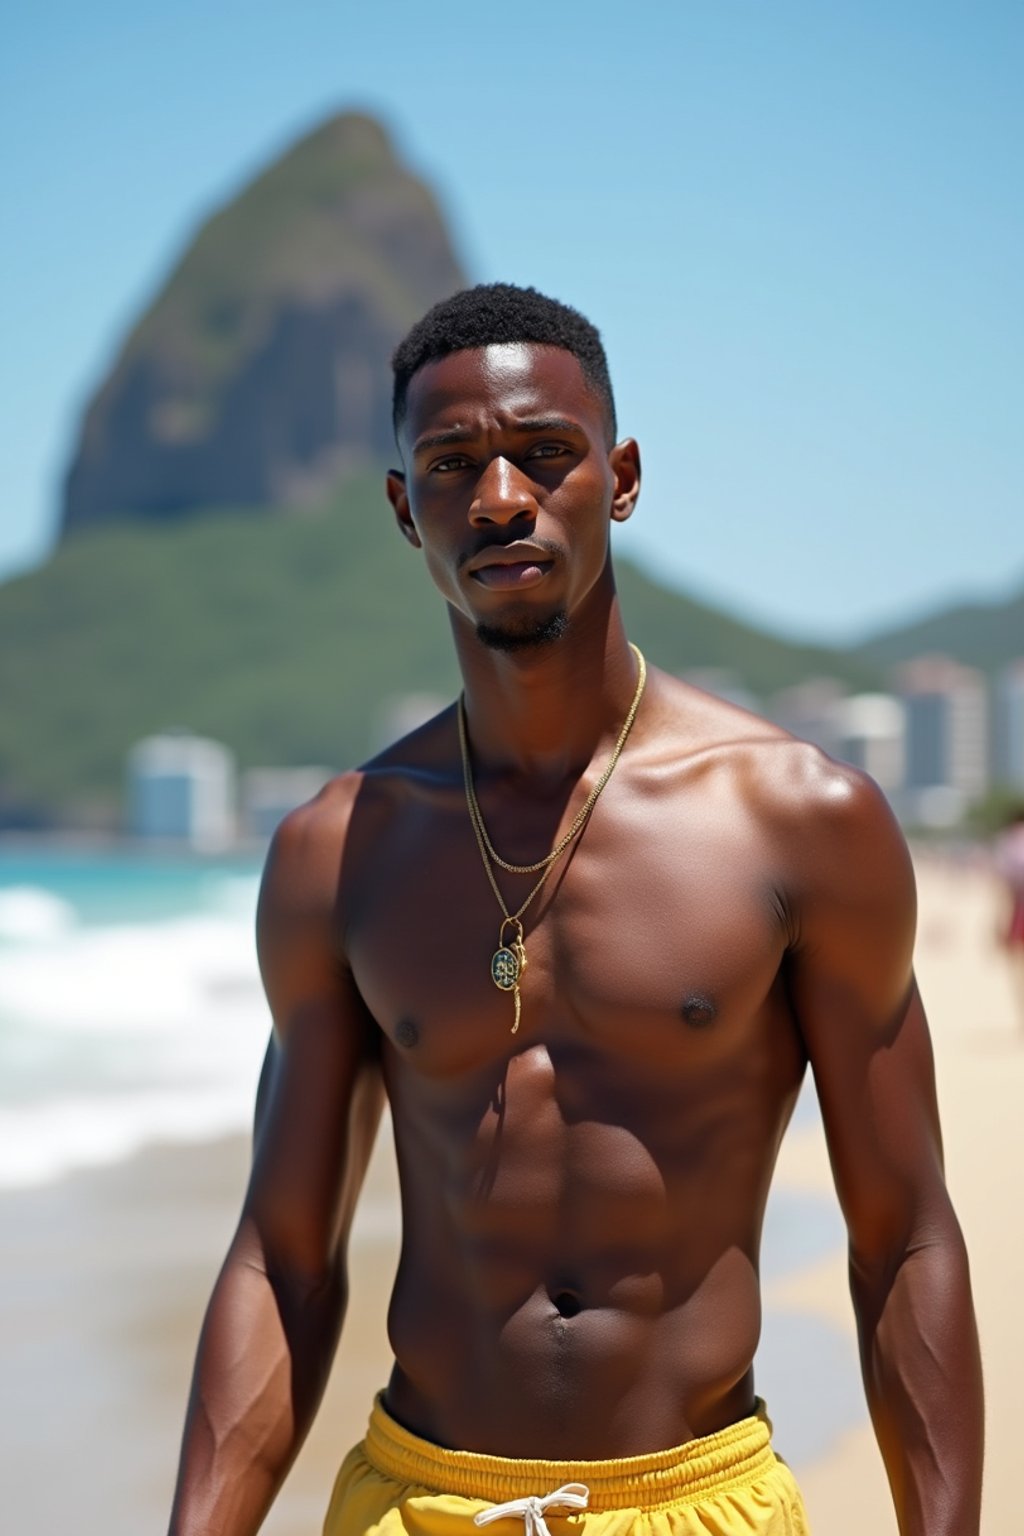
[{"x": 505, "y": 968}]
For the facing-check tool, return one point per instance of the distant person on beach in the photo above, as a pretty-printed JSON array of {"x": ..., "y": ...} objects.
[
  {"x": 1009, "y": 862},
  {"x": 584, "y": 931}
]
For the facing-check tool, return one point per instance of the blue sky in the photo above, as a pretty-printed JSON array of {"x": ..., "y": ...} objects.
[{"x": 798, "y": 225}]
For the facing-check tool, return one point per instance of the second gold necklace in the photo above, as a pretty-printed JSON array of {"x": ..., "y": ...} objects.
[{"x": 509, "y": 960}]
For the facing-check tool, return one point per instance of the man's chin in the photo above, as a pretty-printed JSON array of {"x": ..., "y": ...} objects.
[{"x": 529, "y": 632}]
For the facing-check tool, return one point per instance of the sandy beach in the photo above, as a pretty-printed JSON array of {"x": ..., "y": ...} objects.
[
  {"x": 105, "y": 1275},
  {"x": 979, "y": 1053}
]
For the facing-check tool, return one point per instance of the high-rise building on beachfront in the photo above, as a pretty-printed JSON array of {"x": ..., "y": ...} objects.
[
  {"x": 947, "y": 764},
  {"x": 181, "y": 789},
  {"x": 1008, "y": 727},
  {"x": 872, "y": 730}
]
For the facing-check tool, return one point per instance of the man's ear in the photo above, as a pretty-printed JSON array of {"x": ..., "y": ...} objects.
[
  {"x": 399, "y": 499},
  {"x": 624, "y": 460}
]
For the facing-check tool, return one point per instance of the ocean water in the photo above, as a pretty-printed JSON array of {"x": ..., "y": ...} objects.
[{"x": 130, "y": 1006}]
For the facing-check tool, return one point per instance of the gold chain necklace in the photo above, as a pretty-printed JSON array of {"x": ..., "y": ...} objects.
[
  {"x": 585, "y": 808},
  {"x": 509, "y": 960}
]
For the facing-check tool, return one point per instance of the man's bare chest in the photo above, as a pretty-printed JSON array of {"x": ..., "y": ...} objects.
[{"x": 664, "y": 932}]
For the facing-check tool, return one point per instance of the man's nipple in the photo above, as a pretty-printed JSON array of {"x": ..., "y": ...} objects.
[
  {"x": 699, "y": 1010},
  {"x": 407, "y": 1033}
]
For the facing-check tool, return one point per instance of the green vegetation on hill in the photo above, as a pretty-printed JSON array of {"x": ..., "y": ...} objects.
[
  {"x": 984, "y": 635},
  {"x": 682, "y": 634},
  {"x": 283, "y": 636},
  {"x": 276, "y": 635}
]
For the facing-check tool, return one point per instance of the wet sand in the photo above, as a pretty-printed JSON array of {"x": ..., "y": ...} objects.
[
  {"x": 102, "y": 1288},
  {"x": 105, "y": 1275}
]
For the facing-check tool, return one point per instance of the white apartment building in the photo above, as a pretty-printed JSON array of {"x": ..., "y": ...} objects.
[
  {"x": 872, "y": 730},
  {"x": 947, "y": 759},
  {"x": 181, "y": 789},
  {"x": 1008, "y": 732}
]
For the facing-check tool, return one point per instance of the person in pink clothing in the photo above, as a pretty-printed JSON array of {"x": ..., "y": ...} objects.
[{"x": 1009, "y": 861}]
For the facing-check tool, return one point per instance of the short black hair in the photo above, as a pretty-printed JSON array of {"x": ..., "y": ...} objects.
[{"x": 492, "y": 314}]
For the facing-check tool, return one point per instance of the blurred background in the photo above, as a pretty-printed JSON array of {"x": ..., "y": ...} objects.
[{"x": 799, "y": 230}]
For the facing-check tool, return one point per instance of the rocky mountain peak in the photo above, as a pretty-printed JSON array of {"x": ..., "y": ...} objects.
[{"x": 259, "y": 373}]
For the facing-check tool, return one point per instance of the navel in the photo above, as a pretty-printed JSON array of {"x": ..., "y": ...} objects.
[
  {"x": 698, "y": 1010},
  {"x": 566, "y": 1303}
]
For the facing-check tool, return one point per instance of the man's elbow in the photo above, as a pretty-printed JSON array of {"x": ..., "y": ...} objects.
[{"x": 931, "y": 1247}]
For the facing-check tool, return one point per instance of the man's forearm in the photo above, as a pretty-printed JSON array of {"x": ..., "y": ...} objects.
[
  {"x": 263, "y": 1359},
  {"x": 922, "y": 1374}
]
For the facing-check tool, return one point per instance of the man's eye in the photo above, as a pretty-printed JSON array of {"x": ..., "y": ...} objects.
[
  {"x": 546, "y": 451},
  {"x": 457, "y": 461}
]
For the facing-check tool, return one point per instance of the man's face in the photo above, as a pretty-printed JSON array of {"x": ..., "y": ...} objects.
[{"x": 510, "y": 485}]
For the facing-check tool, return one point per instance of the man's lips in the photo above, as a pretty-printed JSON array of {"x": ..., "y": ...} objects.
[
  {"x": 510, "y": 565},
  {"x": 516, "y": 573}
]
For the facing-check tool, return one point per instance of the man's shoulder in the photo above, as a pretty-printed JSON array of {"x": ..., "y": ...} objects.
[
  {"x": 430, "y": 749},
  {"x": 315, "y": 834},
  {"x": 321, "y": 821},
  {"x": 791, "y": 782},
  {"x": 300, "y": 872}
]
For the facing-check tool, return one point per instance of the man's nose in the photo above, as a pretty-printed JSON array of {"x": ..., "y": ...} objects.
[{"x": 502, "y": 493}]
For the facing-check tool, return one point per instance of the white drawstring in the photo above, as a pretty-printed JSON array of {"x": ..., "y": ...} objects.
[{"x": 571, "y": 1496}]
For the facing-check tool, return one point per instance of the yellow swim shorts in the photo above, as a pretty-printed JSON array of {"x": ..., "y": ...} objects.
[{"x": 727, "y": 1484}]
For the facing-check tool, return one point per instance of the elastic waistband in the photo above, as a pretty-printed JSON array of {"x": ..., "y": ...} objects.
[{"x": 731, "y": 1458}]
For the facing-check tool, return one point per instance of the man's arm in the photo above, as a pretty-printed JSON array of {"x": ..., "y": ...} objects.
[
  {"x": 273, "y": 1321},
  {"x": 856, "y": 1001}
]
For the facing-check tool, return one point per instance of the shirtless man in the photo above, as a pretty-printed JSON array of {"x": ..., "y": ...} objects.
[{"x": 582, "y": 1198}]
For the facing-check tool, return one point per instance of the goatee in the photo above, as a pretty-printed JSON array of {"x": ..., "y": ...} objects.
[{"x": 524, "y": 634}]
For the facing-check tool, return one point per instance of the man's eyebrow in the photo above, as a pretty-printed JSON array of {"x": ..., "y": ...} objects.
[
  {"x": 549, "y": 424},
  {"x": 456, "y": 435},
  {"x": 442, "y": 439}
]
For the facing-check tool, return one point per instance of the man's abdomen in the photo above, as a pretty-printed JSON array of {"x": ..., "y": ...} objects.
[{"x": 593, "y": 1353}]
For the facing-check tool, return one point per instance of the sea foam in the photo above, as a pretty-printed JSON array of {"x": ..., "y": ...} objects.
[
  {"x": 31, "y": 915},
  {"x": 118, "y": 1034}
]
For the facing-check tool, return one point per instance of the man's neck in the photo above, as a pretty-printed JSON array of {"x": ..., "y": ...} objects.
[{"x": 540, "y": 713}]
